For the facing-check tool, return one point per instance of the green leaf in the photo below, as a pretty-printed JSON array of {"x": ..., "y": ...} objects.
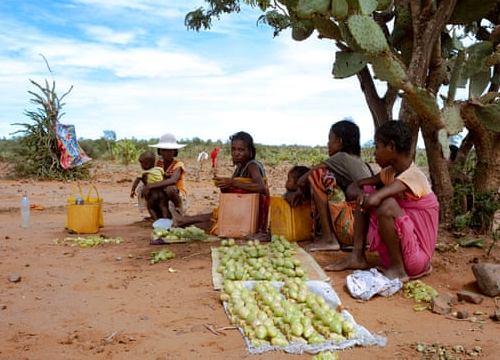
[{"x": 348, "y": 63}]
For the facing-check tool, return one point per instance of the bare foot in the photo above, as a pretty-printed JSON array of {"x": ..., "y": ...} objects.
[
  {"x": 322, "y": 244},
  {"x": 176, "y": 215},
  {"x": 396, "y": 273},
  {"x": 350, "y": 262}
]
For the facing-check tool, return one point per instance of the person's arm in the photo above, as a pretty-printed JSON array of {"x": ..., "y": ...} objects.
[
  {"x": 294, "y": 198},
  {"x": 134, "y": 186},
  {"x": 172, "y": 180},
  {"x": 302, "y": 181},
  {"x": 257, "y": 185},
  {"x": 374, "y": 199}
]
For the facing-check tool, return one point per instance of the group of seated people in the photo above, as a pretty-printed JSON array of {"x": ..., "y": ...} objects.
[{"x": 393, "y": 212}]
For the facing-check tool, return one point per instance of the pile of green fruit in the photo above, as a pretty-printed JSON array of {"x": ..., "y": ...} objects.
[
  {"x": 290, "y": 315},
  {"x": 326, "y": 355},
  {"x": 162, "y": 255},
  {"x": 255, "y": 261},
  {"x": 89, "y": 241},
  {"x": 188, "y": 233},
  {"x": 421, "y": 292}
]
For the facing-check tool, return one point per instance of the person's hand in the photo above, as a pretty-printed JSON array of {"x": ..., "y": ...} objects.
[
  {"x": 367, "y": 201},
  {"x": 132, "y": 194},
  {"x": 294, "y": 198},
  {"x": 223, "y": 183}
]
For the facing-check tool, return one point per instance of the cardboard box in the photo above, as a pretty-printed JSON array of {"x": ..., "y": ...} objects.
[{"x": 238, "y": 214}]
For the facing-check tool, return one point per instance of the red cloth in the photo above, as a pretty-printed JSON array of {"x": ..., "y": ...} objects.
[
  {"x": 417, "y": 231},
  {"x": 213, "y": 156}
]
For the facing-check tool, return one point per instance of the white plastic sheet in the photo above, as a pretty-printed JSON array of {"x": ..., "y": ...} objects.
[
  {"x": 363, "y": 336},
  {"x": 364, "y": 284}
]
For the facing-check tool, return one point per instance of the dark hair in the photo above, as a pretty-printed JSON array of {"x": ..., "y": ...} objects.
[
  {"x": 348, "y": 132},
  {"x": 297, "y": 171},
  {"x": 247, "y": 139},
  {"x": 148, "y": 158},
  {"x": 176, "y": 152},
  {"x": 397, "y": 132}
]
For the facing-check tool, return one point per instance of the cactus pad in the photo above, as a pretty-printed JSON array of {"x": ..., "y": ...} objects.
[
  {"x": 339, "y": 9},
  {"x": 476, "y": 58},
  {"x": 366, "y": 7},
  {"x": 302, "y": 29},
  {"x": 388, "y": 67},
  {"x": 327, "y": 28},
  {"x": 348, "y": 63},
  {"x": 489, "y": 116},
  {"x": 307, "y": 8},
  {"x": 452, "y": 119},
  {"x": 383, "y": 4},
  {"x": 467, "y": 11},
  {"x": 478, "y": 83},
  {"x": 367, "y": 33},
  {"x": 424, "y": 104}
]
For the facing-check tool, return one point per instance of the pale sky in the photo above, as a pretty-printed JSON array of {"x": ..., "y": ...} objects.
[{"x": 137, "y": 70}]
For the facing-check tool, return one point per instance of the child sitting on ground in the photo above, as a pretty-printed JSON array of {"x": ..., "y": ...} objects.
[
  {"x": 295, "y": 194},
  {"x": 399, "y": 218},
  {"x": 156, "y": 199}
]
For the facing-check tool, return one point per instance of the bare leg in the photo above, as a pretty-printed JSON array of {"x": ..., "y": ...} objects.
[
  {"x": 388, "y": 210},
  {"x": 327, "y": 240},
  {"x": 202, "y": 221},
  {"x": 357, "y": 258}
]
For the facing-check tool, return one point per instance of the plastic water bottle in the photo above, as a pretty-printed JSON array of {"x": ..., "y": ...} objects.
[
  {"x": 25, "y": 211},
  {"x": 79, "y": 200}
]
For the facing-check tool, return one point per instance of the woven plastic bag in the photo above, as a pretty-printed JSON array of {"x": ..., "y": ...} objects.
[{"x": 90, "y": 197}]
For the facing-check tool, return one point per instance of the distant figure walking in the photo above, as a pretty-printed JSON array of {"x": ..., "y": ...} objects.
[
  {"x": 213, "y": 157},
  {"x": 202, "y": 158}
]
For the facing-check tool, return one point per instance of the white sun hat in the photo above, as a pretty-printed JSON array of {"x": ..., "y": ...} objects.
[{"x": 168, "y": 141}]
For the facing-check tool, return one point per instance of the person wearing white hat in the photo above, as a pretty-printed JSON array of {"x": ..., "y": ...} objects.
[{"x": 173, "y": 183}]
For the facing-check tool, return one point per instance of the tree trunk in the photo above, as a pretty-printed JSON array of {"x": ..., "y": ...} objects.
[
  {"x": 439, "y": 174},
  {"x": 487, "y": 145}
]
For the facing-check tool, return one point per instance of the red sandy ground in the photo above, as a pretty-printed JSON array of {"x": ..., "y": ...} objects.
[{"x": 110, "y": 303}]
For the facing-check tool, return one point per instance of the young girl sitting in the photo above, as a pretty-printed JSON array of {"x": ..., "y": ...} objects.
[
  {"x": 400, "y": 217},
  {"x": 248, "y": 177}
]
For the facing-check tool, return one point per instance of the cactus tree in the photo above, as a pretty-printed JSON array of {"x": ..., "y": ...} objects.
[{"x": 414, "y": 47}]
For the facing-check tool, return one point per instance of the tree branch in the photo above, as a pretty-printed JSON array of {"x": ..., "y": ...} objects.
[{"x": 377, "y": 106}]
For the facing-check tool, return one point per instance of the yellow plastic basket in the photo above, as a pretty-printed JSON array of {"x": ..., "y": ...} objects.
[
  {"x": 83, "y": 218},
  {"x": 88, "y": 199}
]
